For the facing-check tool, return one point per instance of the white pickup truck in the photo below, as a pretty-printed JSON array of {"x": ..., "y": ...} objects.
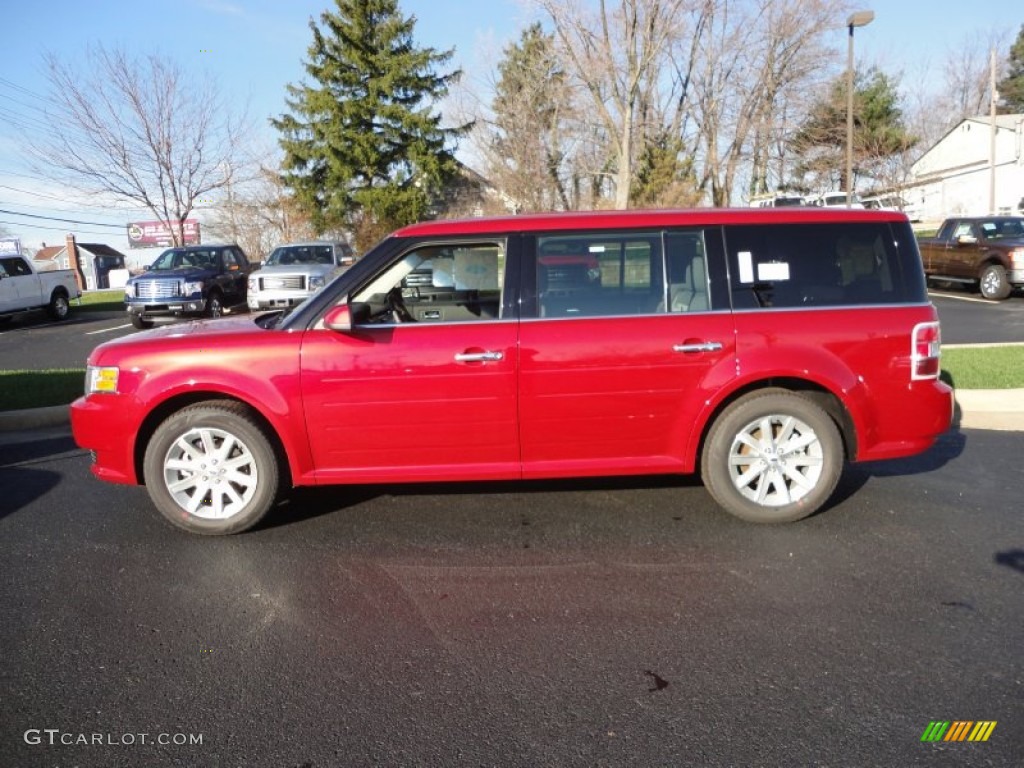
[{"x": 23, "y": 289}]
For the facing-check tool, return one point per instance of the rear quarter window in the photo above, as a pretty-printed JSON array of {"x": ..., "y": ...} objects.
[{"x": 828, "y": 264}]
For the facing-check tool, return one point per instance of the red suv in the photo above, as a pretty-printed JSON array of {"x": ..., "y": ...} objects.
[{"x": 762, "y": 348}]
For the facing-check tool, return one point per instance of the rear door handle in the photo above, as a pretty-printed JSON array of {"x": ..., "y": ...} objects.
[
  {"x": 479, "y": 357},
  {"x": 700, "y": 346}
]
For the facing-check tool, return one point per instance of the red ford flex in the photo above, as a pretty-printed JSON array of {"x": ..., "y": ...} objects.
[{"x": 761, "y": 348}]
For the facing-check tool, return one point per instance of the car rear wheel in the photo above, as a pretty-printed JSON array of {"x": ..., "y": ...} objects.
[
  {"x": 772, "y": 457},
  {"x": 211, "y": 469},
  {"x": 993, "y": 283},
  {"x": 58, "y": 307}
]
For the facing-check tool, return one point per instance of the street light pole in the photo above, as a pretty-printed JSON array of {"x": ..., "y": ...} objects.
[{"x": 858, "y": 19}]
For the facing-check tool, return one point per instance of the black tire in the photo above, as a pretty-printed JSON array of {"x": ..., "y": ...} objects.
[
  {"x": 189, "y": 488},
  {"x": 993, "y": 283},
  {"x": 58, "y": 308},
  {"x": 139, "y": 322},
  {"x": 766, "y": 490},
  {"x": 214, "y": 305}
]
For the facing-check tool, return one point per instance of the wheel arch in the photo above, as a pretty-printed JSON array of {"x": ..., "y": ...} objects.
[
  {"x": 814, "y": 391},
  {"x": 177, "y": 402}
]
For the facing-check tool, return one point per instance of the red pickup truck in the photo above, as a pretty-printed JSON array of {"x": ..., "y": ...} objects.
[
  {"x": 763, "y": 348},
  {"x": 987, "y": 251}
]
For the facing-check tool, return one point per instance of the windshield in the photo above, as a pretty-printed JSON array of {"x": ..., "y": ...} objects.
[
  {"x": 179, "y": 257},
  {"x": 301, "y": 254}
]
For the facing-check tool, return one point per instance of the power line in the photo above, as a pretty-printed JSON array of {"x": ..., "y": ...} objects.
[
  {"x": 20, "y": 225},
  {"x": 66, "y": 221}
]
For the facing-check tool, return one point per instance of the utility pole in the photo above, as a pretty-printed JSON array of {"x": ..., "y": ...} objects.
[{"x": 994, "y": 97}]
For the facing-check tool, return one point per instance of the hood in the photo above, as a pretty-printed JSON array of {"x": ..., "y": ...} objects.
[
  {"x": 295, "y": 269},
  {"x": 190, "y": 274}
]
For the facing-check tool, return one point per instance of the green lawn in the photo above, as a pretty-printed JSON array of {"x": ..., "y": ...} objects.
[
  {"x": 36, "y": 389},
  {"x": 99, "y": 301},
  {"x": 984, "y": 367}
]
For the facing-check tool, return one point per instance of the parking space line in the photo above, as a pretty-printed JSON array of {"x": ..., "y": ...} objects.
[
  {"x": 962, "y": 298},
  {"x": 108, "y": 330}
]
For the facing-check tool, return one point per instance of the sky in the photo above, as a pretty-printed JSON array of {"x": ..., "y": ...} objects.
[{"x": 254, "y": 48}]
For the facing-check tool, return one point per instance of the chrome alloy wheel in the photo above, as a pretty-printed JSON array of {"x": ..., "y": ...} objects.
[
  {"x": 210, "y": 473},
  {"x": 775, "y": 460}
]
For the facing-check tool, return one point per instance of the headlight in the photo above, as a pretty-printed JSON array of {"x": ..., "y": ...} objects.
[
  {"x": 129, "y": 290},
  {"x": 1017, "y": 258},
  {"x": 253, "y": 284},
  {"x": 316, "y": 282},
  {"x": 100, "y": 379},
  {"x": 187, "y": 289}
]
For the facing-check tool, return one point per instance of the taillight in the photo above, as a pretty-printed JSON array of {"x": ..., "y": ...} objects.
[{"x": 925, "y": 344}]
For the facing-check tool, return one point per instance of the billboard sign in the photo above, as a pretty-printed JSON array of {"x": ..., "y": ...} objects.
[{"x": 152, "y": 234}]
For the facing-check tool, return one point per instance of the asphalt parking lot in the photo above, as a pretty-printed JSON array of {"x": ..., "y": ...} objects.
[{"x": 620, "y": 622}]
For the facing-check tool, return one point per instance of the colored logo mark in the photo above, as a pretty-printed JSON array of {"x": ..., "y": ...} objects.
[{"x": 958, "y": 730}]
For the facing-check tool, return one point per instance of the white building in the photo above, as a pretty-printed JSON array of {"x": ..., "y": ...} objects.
[{"x": 953, "y": 178}]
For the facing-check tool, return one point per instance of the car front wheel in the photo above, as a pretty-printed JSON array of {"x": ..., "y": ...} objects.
[
  {"x": 214, "y": 306},
  {"x": 211, "y": 469},
  {"x": 772, "y": 457}
]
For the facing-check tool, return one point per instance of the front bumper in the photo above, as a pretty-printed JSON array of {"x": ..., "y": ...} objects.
[
  {"x": 190, "y": 306},
  {"x": 99, "y": 424}
]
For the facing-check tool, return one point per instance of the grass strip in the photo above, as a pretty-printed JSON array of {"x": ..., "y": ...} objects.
[
  {"x": 984, "y": 367},
  {"x": 38, "y": 389},
  {"x": 100, "y": 301}
]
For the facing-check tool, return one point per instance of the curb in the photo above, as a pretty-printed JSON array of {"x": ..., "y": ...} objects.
[
  {"x": 35, "y": 418},
  {"x": 995, "y": 409}
]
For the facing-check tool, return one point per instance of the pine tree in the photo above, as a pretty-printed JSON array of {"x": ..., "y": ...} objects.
[
  {"x": 1011, "y": 87},
  {"x": 879, "y": 133},
  {"x": 363, "y": 148}
]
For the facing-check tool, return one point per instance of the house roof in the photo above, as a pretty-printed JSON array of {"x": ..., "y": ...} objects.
[
  {"x": 100, "y": 249},
  {"x": 48, "y": 253}
]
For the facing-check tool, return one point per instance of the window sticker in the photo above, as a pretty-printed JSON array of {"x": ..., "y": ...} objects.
[
  {"x": 746, "y": 266},
  {"x": 596, "y": 249},
  {"x": 772, "y": 271}
]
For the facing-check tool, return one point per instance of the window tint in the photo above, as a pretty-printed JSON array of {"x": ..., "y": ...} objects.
[
  {"x": 687, "y": 272},
  {"x": 438, "y": 284},
  {"x": 823, "y": 265},
  {"x": 16, "y": 267},
  {"x": 600, "y": 274}
]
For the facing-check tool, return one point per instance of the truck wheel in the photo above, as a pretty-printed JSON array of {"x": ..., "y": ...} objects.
[
  {"x": 211, "y": 469},
  {"x": 772, "y": 457},
  {"x": 58, "y": 307},
  {"x": 139, "y": 322},
  {"x": 993, "y": 283},
  {"x": 214, "y": 307}
]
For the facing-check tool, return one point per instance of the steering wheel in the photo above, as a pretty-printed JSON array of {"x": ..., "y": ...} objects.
[{"x": 395, "y": 306}]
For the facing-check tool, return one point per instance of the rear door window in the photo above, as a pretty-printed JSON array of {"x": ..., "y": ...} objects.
[{"x": 831, "y": 264}]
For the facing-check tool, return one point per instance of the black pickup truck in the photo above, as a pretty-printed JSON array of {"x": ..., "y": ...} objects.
[
  {"x": 987, "y": 251},
  {"x": 203, "y": 280}
]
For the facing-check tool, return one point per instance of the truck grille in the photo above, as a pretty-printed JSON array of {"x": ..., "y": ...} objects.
[
  {"x": 157, "y": 289},
  {"x": 287, "y": 283}
]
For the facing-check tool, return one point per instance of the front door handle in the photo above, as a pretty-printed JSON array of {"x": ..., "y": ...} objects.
[
  {"x": 479, "y": 357},
  {"x": 698, "y": 346}
]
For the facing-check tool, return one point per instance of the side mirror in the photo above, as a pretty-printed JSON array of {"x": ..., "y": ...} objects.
[
  {"x": 967, "y": 240},
  {"x": 345, "y": 316}
]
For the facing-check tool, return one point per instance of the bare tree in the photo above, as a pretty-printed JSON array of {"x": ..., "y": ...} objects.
[
  {"x": 258, "y": 212},
  {"x": 140, "y": 130},
  {"x": 617, "y": 54},
  {"x": 967, "y": 72},
  {"x": 741, "y": 101}
]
